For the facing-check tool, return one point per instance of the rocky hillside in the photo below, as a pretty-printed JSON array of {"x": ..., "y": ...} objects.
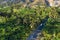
[
  {"x": 30, "y": 2},
  {"x": 22, "y": 2}
]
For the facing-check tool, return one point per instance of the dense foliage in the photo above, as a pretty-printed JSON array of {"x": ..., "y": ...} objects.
[{"x": 20, "y": 22}]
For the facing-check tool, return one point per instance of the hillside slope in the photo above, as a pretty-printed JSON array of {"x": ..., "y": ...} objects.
[{"x": 24, "y": 2}]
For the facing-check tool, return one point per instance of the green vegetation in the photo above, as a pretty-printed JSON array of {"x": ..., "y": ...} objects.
[{"x": 23, "y": 20}]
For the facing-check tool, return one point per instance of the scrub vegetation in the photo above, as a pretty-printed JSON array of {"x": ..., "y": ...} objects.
[{"x": 16, "y": 23}]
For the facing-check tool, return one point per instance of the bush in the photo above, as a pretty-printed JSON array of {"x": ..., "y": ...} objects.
[{"x": 23, "y": 20}]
